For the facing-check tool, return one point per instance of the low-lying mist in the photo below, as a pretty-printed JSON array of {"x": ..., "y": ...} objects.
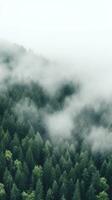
[{"x": 72, "y": 99}]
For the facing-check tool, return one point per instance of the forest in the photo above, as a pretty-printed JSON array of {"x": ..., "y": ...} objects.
[{"x": 36, "y": 166}]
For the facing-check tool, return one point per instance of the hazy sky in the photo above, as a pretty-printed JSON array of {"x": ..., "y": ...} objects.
[{"x": 66, "y": 29}]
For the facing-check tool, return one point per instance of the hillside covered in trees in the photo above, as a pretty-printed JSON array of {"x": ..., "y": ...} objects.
[{"x": 39, "y": 159}]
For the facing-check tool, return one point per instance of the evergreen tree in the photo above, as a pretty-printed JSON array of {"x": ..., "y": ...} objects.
[
  {"x": 39, "y": 190},
  {"x": 20, "y": 178},
  {"x": 2, "y": 192},
  {"x": 70, "y": 189},
  {"x": 47, "y": 174},
  {"x": 2, "y": 164},
  {"x": 102, "y": 196},
  {"x": 7, "y": 180},
  {"x": 28, "y": 196},
  {"x": 77, "y": 195},
  {"x": 37, "y": 148},
  {"x": 49, "y": 195},
  {"x": 91, "y": 194},
  {"x": 15, "y": 193},
  {"x": 103, "y": 184},
  {"x": 55, "y": 190},
  {"x": 29, "y": 158},
  {"x": 37, "y": 174}
]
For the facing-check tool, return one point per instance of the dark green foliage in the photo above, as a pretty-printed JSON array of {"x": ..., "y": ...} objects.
[
  {"x": 15, "y": 193},
  {"x": 39, "y": 190},
  {"x": 77, "y": 194},
  {"x": 91, "y": 195},
  {"x": 49, "y": 195},
  {"x": 61, "y": 173},
  {"x": 2, "y": 192},
  {"x": 102, "y": 196}
]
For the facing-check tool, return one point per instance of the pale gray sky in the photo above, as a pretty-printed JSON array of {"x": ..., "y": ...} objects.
[{"x": 59, "y": 28}]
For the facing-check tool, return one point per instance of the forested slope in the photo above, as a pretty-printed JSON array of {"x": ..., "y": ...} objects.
[{"x": 34, "y": 165}]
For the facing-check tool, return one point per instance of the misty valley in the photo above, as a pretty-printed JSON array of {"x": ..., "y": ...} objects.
[{"x": 55, "y": 142}]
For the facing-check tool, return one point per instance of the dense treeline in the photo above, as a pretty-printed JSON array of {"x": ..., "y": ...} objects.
[{"x": 33, "y": 166}]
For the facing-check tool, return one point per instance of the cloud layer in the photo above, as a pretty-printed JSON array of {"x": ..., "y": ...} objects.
[{"x": 95, "y": 89}]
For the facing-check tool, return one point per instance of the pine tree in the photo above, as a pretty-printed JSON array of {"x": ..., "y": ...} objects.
[
  {"x": 91, "y": 194},
  {"x": 47, "y": 174},
  {"x": 57, "y": 172},
  {"x": 39, "y": 190},
  {"x": 77, "y": 195},
  {"x": 20, "y": 178},
  {"x": 2, "y": 192},
  {"x": 37, "y": 174},
  {"x": 55, "y": 190},
  {"x": 103, "y": 186},
  {"x": 29, "y": 158},
  {"x": 49, "y": 195},
  {"x": 7, "y": 180},
  {"x": 2, "y": 164},
  {"x": 28, "y": 196},
  {"x": 63, "y": 189},
  {"x": 37, "y": 148},
  {"x": 70, "y": 189},
  {"x": 102, "y": 196},
  {"x": 104, "y": 168},
  {"x": 15, "y": 193}
]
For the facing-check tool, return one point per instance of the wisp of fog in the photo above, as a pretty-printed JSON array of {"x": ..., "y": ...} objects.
[{"x": 88, "y": 108}]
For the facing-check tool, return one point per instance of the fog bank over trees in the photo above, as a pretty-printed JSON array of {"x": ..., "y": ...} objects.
[{"x": 55, "y": 128}]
